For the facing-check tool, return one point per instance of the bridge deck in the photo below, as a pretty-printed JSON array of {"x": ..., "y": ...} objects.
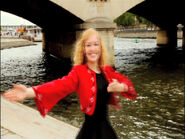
[{"x": 21, "y": 122}]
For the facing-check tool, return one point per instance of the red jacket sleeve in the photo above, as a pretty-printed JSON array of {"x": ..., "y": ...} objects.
[
  {"x": 131, "y": 93},
  {"x": 48, "y": 94}
]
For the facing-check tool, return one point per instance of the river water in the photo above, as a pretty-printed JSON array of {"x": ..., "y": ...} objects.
[{"x": 157, "y": 74}]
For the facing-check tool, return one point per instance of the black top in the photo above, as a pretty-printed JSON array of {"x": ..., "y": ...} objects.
[
  {"x": 103, "y": 96},
  {"x": 97, "y": 126}
]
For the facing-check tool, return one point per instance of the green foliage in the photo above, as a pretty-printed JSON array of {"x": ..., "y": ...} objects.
[
  {"x": 129, "y": 19},
  {"x": 126, "y": 19},
  {"x": 144, "y": 21}
]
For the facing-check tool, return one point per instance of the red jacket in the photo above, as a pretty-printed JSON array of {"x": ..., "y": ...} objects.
[{"x": 81, "y": 80}]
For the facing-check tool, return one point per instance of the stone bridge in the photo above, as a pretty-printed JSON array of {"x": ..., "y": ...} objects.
[{"x": 63, "y": 21}]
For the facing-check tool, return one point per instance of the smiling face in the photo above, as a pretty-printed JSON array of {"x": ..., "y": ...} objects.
[{"x": 92, "y": 49}]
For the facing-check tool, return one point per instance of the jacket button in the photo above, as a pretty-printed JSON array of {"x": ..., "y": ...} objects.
[
  {"x": 92, "y": 99},
  {"x": 93, "y": 89},
  {"x": 88, "y": 109},
  {"x": 39, "y": 97},
  {"x": 89, "y": 71},
  {"x": 92, "y": 79}
]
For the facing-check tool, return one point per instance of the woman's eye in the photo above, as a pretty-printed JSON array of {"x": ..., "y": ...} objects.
[
  {"x": 94, "y": 44},
  {"x": 87, "y": 45}
]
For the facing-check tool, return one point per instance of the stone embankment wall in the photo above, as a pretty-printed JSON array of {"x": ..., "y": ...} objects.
[
  {"x": 11, "y": 42},
  {"x": 140, "y": 34}
]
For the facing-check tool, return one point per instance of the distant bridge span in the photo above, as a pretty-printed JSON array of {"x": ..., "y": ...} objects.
[{"x": 166, "y": 14}]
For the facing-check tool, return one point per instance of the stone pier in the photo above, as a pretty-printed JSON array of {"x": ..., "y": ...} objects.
[
  {"x": 167, "y": 37},
  {"x": 61, "y": 43},
  {"x": 183, "y": 39}
]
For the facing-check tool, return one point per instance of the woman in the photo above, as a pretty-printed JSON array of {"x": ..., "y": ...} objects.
[{"x": 95, "y": 83}]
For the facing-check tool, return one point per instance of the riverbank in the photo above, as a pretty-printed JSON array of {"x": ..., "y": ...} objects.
[
  {"x": 12, "y": 42},
  {"x": 139, "y": 33}
]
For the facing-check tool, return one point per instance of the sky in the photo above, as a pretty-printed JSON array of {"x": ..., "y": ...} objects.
[{"x": 10, "y": 19}]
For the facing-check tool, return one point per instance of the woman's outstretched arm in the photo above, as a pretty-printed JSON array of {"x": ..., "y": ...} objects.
[
  {"x": 45, "y": 95},
  {"x": 19, "y": 93}
]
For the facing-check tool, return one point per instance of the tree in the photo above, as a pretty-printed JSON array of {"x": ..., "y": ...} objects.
[
  {"x": 128, "y": 19},
  {"x": 144, "y": 21}
]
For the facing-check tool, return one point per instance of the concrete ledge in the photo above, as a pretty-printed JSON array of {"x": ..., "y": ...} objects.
[
  {"x": 14, "y": 42},
  {"x": 26, "y": 122}
]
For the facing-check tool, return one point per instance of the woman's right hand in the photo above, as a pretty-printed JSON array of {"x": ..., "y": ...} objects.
[{"x": 18, "y": 93}]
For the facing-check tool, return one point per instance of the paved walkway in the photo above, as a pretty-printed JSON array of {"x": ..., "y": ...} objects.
[
  {"x": 21, "y": 122},
  {"x": 6, "y": 134}
]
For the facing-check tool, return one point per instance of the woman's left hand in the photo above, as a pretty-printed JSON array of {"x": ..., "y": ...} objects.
[{"x": 117, "y": 87}]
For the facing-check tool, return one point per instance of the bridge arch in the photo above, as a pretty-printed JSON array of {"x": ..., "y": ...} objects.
[
  {"x": 45, "y": 14},
  {"x": 166, "y": 15}
]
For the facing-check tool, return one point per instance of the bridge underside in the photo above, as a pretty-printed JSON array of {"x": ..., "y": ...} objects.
[
  {"x": 164, "y": 13},
  {"x": 43, "y": 13},
  {"x": 58, "y": 24}
]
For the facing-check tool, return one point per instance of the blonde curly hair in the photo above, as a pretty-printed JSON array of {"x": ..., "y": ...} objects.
[{"x": 79, "y": 57}]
